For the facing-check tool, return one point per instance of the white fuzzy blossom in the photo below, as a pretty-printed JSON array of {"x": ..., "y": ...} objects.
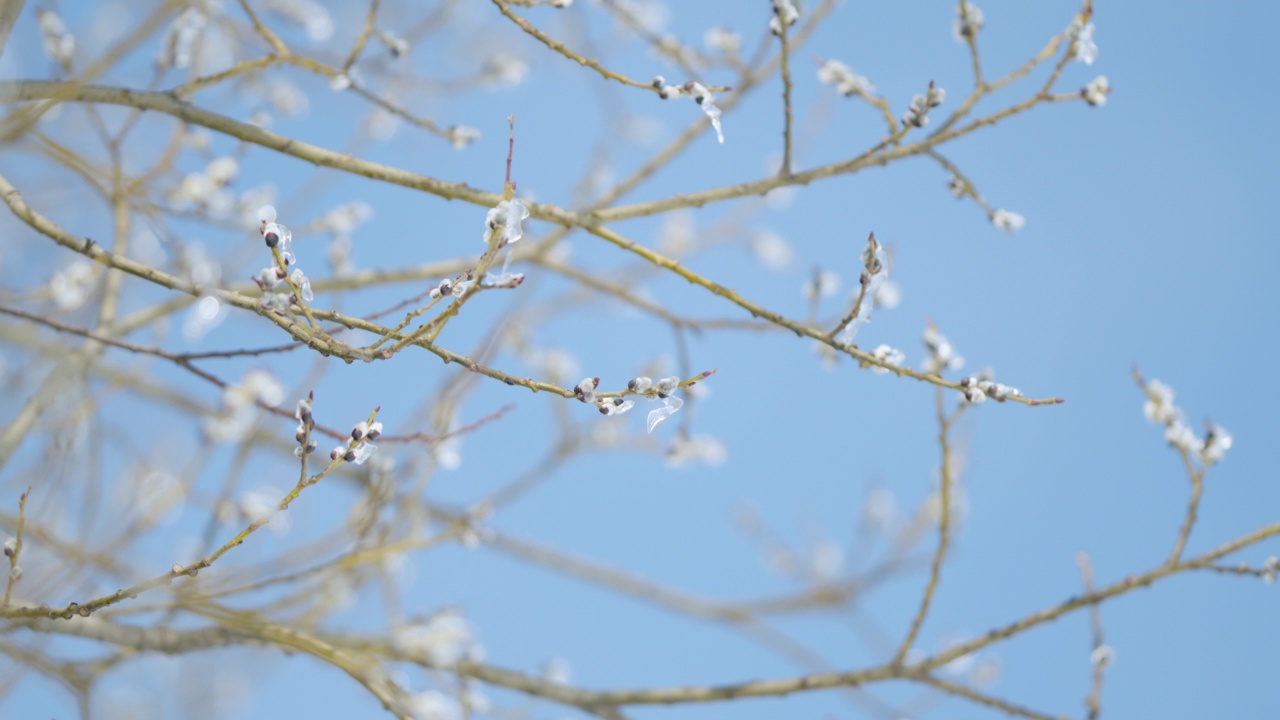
[
  {"x": 1216, "y": 444},
  {"x": 257, "y": 387},
  {"x": 261, "y": 506},
  {"x": 506, "y": 69},
  {"x": 880, "y": 511},
  {"x": 59, "y": 44},
  {"x": 1007, "y": 221},
  {"x": 461, "y": 136},
  {"x": 1270, "y": 569},
  {"x": 312, "y": 16},
  {"x": 203, "y": 316},
  {"x": 823, "y": 284},
  {"x": 1180, "y": 435},
  {"x": 845, "y": 80},
  {"x": 1102, "y": 656},
  {"x": 344, "y": 218},
  {"x": 969, "y": 21},
  {"x": 70, "y": 286},
  {"x": 942, "y": 356},
  {"x": 1159, "y": 407},
  {"x": 697, "y": 449},
  {"x": 722, "y": 39},
  {"x": 678, "y": 233},
  {"x": 179, "y": 38},
  {"x": 442, "y": 640},
  {"x": 396, "y": 45},
  {"x": 771, "y": 249},
  {"x": 889, "y": 356},
  {"x": 826, "y": 560},
  {"x": 1080, "y": 35},
  {"x": 917, "y": 113},
  {"x": 1095, "y": 93},
  {"x": 978, "y": 389},
  {"x": 433, "y": 705},
  {"x": 784, "y": 14},
  {"x": 889, "y": 296}
]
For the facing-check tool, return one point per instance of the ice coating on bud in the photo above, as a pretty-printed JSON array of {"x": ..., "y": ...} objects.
[
  {"x": 707, "y": 101},
  {"x": 277, "y": 235},
  {"x": 303, "y": 283},
  {"x": 509, "y": 215},
  {"x": 338, "y": 452},
  {"x": 876, "y": 272},
  {"x": 362, "y": 452},
  {"x": 667, "y": 385},
  {"x": 586, "y": 390},
  {"x": 616, "y": 406},
  {"x": 639, "y": 384},
  {"x": 670, "y": 404}
]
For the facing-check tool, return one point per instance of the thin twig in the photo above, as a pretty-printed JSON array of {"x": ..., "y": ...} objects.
[
  {"x": 944, "y": 525},
  {"x": 14, "y": 569}
]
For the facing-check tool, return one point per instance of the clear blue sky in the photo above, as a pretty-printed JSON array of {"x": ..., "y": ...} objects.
[{"x": 1149, "y": 240}]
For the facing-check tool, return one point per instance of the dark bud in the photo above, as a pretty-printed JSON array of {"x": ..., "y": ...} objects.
[{"x": 272, "y": 239}]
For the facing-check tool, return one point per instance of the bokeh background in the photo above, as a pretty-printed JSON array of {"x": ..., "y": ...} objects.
[{"x": 1149, "y": 240}]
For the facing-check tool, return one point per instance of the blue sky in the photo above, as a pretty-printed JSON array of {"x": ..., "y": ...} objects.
[{"x": 1147, "y": 242}]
